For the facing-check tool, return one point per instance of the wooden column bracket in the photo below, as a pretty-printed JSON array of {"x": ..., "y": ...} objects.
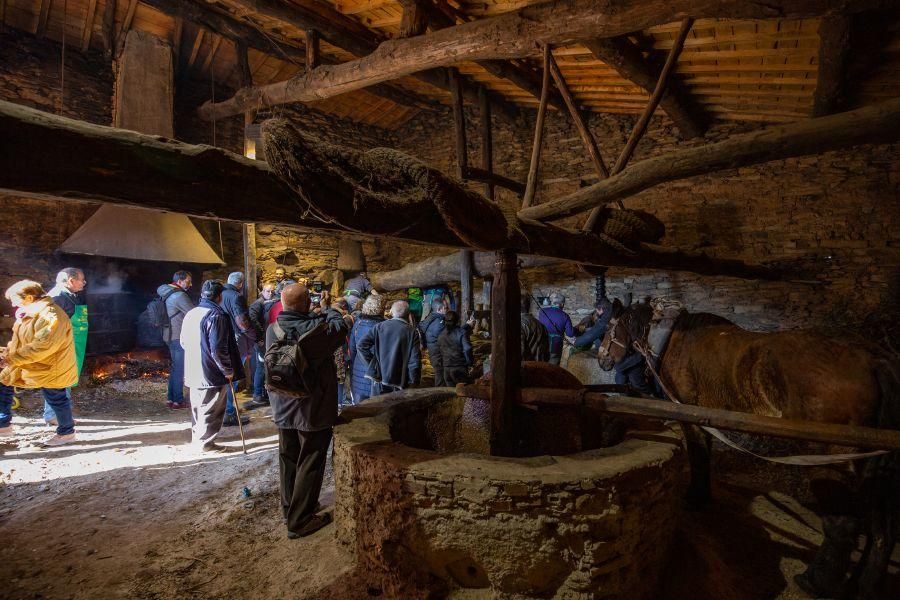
[
  {"x": 531, "y": 182},
  {"x": 313, "y": 56},
  {"x": 459, "y": 121}
]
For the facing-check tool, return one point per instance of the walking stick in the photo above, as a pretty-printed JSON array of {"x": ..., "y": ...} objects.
[{"x": 237, "y": 411}]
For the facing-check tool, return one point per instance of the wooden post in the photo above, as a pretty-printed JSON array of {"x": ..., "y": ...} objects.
[
  {"x": 312, "y": 49},
  {"x": 108, "y": 31},
  {"x": 487, "y": 142},
  {"x": 459, "y": 120},
  {"x": 531, "y": 182},
  {"x": 486, "y": 292},
  {"x": 251, "y": 285},
  {"x": 465, "y": 284},
  {"x": 414, "y": 19},
  {"x": 506, "y": 354}
]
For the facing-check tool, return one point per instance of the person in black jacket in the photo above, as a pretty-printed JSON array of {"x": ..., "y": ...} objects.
[
  {"x": 259, "y": 319},
  {"x": 211, "y": 363},
  {"x": 235, "y": 304},
  {"x": 456, "y": 350},
  {"x": 429, "y": 330},
  {"x": 305, "y": 423},
  {"x": 535, "y": 341}
]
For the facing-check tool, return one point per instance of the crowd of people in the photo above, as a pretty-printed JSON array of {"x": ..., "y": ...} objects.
[{"x": 305, "y": 355}]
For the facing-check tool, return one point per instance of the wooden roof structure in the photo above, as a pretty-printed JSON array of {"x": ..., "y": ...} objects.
[{"x": 741, "y": 70}]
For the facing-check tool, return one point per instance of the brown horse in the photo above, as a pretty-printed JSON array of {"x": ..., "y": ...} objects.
[{"x": 710, "y": 361}]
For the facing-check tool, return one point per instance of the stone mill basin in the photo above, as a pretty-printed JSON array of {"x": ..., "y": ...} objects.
[{"x": 427, "y": 510}]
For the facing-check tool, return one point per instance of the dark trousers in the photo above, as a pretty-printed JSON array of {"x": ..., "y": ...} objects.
[
  {"x": 258, "y": 368},
  {"x": 56, "y": 398},
  {"x": 434, "y": 355},
  {"x": 6, "y": 400},
  {"x": 635, "y": 377},
  {"x": 454, "y": 375},
  {"x": 301, "y": 463},
  {"x": 176, "y": 373}
]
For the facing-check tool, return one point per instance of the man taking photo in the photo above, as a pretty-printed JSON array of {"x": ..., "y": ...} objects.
[{"x": 305, "y": 409}]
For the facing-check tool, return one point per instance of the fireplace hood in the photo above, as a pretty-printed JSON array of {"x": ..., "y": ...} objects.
[{"x": 141, "y": 234}]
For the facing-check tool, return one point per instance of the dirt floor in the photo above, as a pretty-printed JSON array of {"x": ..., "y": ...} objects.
[{"x": 130, "y": 512}]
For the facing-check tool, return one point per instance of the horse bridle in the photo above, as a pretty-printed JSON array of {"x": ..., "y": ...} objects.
[{"x": 603, "y": 350}]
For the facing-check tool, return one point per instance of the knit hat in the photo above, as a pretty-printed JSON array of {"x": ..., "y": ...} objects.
[{"x": 373, "y": 306}]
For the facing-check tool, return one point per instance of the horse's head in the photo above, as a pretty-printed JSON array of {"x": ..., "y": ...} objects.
[
  {"x": 614, "y": 345},
  {"x": 626, "y": 327}
]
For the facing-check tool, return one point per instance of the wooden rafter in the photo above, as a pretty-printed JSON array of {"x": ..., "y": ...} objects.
[
  {"x": 511, "y": 35},
  {"x": 834, "y": 55},
  {"x": 879, "y": 123},
  {"x": 217, "y": 41},
  {"x": 626, "y": 58},
  {"x": 126, "y": 27},
  {"x": 108, "y": 29},
  {"x": 535, "y": 164},
  {"x": 88, "y": 25},
  {"x": 313, "y": 49},
  {"x": 195, "y": 50},
  {"x": 40, "y": 28}
]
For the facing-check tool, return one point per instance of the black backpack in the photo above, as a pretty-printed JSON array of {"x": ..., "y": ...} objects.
[
  {"x": 286, "y": 365},
  {"x": 158, "y": 312}
]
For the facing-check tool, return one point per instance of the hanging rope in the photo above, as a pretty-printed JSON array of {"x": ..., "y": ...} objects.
[
  {"x": 62, "y": 59},
  {"x": 212, "y": 85},
  {"x": 221, "y": 245}
]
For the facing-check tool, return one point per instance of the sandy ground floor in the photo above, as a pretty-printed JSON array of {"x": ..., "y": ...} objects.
[{"x": 130, "y": 512}]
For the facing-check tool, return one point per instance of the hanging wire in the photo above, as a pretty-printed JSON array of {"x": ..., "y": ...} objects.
[
  {"x": 221, "y": 245},
  {"x": 212, "y": 85}
]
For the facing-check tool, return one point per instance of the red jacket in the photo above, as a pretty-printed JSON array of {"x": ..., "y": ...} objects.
[{"x": 275, "y": 311}]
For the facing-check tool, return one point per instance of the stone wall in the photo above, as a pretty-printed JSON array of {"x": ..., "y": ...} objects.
[{"x": 837, "y": 213}]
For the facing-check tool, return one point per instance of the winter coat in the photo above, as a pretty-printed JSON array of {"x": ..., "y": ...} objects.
[
  {"x": 392, "y": 350},
  {"x": 318, "y": 410},
  {"x": 595, "y": 332},
  {"x": 178, "y": 304},
  {"x": 360, "y": 386},
  {"x": 558, "y": 324},
  {"x": 455, "y": 347},
  {"x": 535, "y": 342},
  {"x": 65, "y": 299},
  {"x": 211, "y": 354},
  {"x": 41, "y": 353},
  {"x": 259, "y": 317},
  {"x": 430, "y": 328},
  {"x": 234, "y": 303}
]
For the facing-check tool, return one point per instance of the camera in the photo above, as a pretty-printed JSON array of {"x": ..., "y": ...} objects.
[{"x": 318, "y": 286}]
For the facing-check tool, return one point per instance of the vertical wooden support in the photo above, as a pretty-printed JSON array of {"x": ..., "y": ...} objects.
[
  {"x": 531, "y": 182},
  {"x": 486, "y": 291},
  {"x": 251, "y": 285},
  {"x": 459, "y": 120},
  {"x": 40, "y": 28},
  {"x": 108, "y": 29},
  {"x": 246, "y": 78},
  {"x": 177, "y": 35},
  {"x": 313, "y": 59},
  {"x": 414, "y": 20},
  {"x": 126, "y": 27},
  {"x": 465, "y": 284},
  {"x": 487, "y": 141},
  {"x": 88, "y": 30},
  {"x": 506, "y": 353}
]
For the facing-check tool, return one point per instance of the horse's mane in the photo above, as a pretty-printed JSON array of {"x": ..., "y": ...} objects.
[{"x": 636, "y": 317}]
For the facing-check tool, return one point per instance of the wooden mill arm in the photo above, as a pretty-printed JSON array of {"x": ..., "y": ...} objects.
[{"x": 52, "y": 156}]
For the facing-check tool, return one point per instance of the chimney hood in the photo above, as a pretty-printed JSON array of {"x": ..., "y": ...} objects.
[{"x": 141, "y": 234}]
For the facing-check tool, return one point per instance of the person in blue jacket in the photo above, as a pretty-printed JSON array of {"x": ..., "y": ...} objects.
[{"x": 371, "y": 315}]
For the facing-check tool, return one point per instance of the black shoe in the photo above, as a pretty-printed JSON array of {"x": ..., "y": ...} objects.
[
  {"x": 231, "y": 421},
  {"x": 257, "y": 402},
  {"x": 310, "y": 527}
]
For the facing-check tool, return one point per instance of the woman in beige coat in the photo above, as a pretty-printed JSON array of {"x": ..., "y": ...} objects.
[{"x": 41, "y": 355}]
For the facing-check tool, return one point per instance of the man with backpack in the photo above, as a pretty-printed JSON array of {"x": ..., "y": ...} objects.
[
  {"x": 167, "y": 312},
  {"x": 302, "y": 382}
]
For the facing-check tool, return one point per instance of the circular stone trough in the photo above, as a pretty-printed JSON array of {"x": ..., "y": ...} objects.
[{"x": 426, "y": 509}]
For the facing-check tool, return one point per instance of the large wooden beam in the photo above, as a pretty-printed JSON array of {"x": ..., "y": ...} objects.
[
  {"x": 212, "y": 20},
  {"x": 341, "y": 31},
  {"x": 626, "y": 58},
  {"x": 511, "y": 35},
  {"x": 506, "y": 352},
  {"x": 114, "y": 165},
  {"x": 875, "y": 124},
  {"x": 537, "y": 143},
  {"x": 834, "y": 56},
  {"x": 853, "y": 436},
  {"x": 444, "y": 269}
]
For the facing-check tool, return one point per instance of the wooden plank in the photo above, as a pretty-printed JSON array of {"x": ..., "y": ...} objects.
[
  {"x": 40, "y": 28},
  {"x": 126, "y": 27},
  {"x": 870, "y": 125},
  {"x": 414, "y": 19},
  {"x": 494, "y": 179},
  {"x": 207, "y": 62},
  {"x": 487, "y": 141},
  {"x": 853, "y": 436},
  {"x": 248, "y": 236},
  {"x": 466, "y": 289},
  {"x": 459, "y": 124},
  {"x": 108, "y": 29},
  {"x": 195, "y": 50},
  {"x": 88, "y": 30},
  {"x": 506, "y": 352},
  {"x": 834, "y": 56},
  {"x": 177, "y": 36},
  {"x": 534, "y": 165},
  {"x": 313, "y": 50}
]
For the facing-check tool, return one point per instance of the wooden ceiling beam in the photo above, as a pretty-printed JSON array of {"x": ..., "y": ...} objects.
[
  {"x": 623, "y": 56},
  {"x": 88, "y": 30},
  {"x": 227, "y": 26},
  {"x": 879, "y": 123},
  {"x": 40, "y": 27},
  {"x": 515, "y": 34},
  {"x": 348, "y": 34}
]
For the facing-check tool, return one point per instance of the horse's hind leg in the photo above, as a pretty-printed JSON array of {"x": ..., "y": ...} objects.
[
  {"x": 699, "y": 492},
  {"x": 826, "y": 574},
  {"x": 882, "y": 527}
]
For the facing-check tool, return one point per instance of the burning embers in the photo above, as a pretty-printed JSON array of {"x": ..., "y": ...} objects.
[{"x": 137, "y": 364}]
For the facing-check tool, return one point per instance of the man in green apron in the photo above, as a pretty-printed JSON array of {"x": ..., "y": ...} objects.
[{"x": 66, "y": 293}]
